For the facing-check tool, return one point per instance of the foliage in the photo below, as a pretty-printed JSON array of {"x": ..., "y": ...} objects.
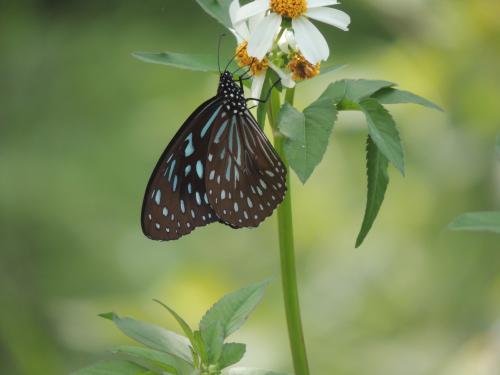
[
  {"x": 203, "y": 351},
  {"x": 202, "y": 63}
]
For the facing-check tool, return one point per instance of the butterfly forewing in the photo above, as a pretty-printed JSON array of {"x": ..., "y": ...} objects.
[
  {"x": 176, "y": 200},
  {"x": 245, "y": 178}
]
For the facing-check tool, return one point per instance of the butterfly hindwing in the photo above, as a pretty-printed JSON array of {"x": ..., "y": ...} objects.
[
  {"x": 245, "y": 178},
  {"x": 175, "y": 201}
]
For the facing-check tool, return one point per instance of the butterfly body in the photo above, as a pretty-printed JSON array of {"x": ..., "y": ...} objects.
[{"x": 218, "y": 167}]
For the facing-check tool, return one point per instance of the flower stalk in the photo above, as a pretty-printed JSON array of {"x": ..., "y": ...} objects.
[{"x": 287, "y": 249}]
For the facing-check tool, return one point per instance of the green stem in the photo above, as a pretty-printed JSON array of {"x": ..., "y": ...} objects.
[{"x": 287, "y": 250}]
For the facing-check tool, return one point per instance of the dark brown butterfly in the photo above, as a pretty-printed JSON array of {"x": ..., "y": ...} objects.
[{"x": 219, "y": 166}]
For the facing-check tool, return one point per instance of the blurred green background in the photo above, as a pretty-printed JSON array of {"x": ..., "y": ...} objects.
[{"x": 82, "y": 124}]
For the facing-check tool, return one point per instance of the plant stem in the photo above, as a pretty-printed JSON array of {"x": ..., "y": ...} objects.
[{"x": 287, "y": 250}]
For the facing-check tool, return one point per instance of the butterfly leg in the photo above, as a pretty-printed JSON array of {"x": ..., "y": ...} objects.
[{"x": 267, "y": 95}]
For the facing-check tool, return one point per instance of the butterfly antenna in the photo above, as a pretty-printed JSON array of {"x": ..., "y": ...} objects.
[
  {"x": 218, "y": 51},
  {"x": 242, "y": 67},
  {"x": 232, "y": 59},
  {"x": 246, "y": 72}
]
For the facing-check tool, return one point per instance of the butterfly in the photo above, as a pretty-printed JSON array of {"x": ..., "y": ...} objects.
[{"x": 219, "y": 167}]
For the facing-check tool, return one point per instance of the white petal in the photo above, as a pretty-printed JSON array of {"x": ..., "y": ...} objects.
[
  {"x": 330, "y": 16},
  {"x": 262, "y": 39},
  {"x": 286, "y": 78},
  {"x": 287, "y": 41},
  {"x": 320, "y": 3},
  {"x": 252, "y": 9},
  {"x": 311, "y": 42},
  {"x": 240, "y": 29},
  {"x": 234, "y": 8},
  {"x": 254, "y": 21},
  {"x": 257, "y": 84},
  {"x": 237, "y": 35}
]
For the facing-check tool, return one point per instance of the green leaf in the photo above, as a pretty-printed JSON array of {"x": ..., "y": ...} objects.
[
  {"x": 113, "y": 368},
  {"x": 307, "y": 134},
  {"x": 231, "y": 353},
  {"x": 383, "y": 132},
  {"x": 391, "y": 95},
  {"x": 201, "y": 346},
  {"x": 330, "y": 69},
  {"x": 378, "y": 179},
  {"x": 218, "y": 9},
  {"x": 185, "y": 327},
  {"x": 153, "y": 360},
  {"x": 213, "y": 337},
  {"x": 234, "y": 308},
  {"x": 335, "y": 91},
  {"x": 147, "y": 358},
  {"x": 477, "y": 221},
  {"x": 357, "y": 90},
  {"x": 202, "y": 63},
  {"x": 250, "y": 371},
  {"x": 109, "y": 315},
  {"x": 353, "y": 91},
  {"x": 154, "y": 337}
]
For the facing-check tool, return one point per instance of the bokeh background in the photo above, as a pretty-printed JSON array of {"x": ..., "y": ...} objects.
[{"x": 82, "y": 124}]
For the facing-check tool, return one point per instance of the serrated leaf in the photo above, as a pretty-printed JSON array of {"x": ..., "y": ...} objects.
[
  {"x": 113, "y": 368},
  {"x": 383, "y": 132},
  {"x": 335, "y": 91},
  {"x": 213, "y": 337},
  {"x": 232, "y": 353},
  {"x": 378, "y": 179},
  {"x": 153, "y": 359},
  {"x": 218, "y": 9},
  {"x": 202, "y": 63},
  {"x": 233, "y": 309},
  {"x": 307, "y": 134},
  {"x": 357, "y": 90},
  {"x": 155, "y": 337},
  {"x": 250, "y": 371},
  {"x": 353, "y": 91},
  {"x": 477, "y": 221},
  {"x": 390, "y": 95}
]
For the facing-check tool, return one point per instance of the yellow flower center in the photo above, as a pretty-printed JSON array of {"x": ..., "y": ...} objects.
[
  {"x": 302, "y": 69},
  {"x": 288, "y": 8},
  {"x": 256, "y": 66}
]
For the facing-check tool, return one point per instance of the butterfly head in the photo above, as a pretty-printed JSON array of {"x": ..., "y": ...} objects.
[{"x": 231, "y": 94}]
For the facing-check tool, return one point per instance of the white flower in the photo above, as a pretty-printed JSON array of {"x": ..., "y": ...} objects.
[
  {"x": 310, "y": 41},
  {"x": 243, "y": 30}
]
